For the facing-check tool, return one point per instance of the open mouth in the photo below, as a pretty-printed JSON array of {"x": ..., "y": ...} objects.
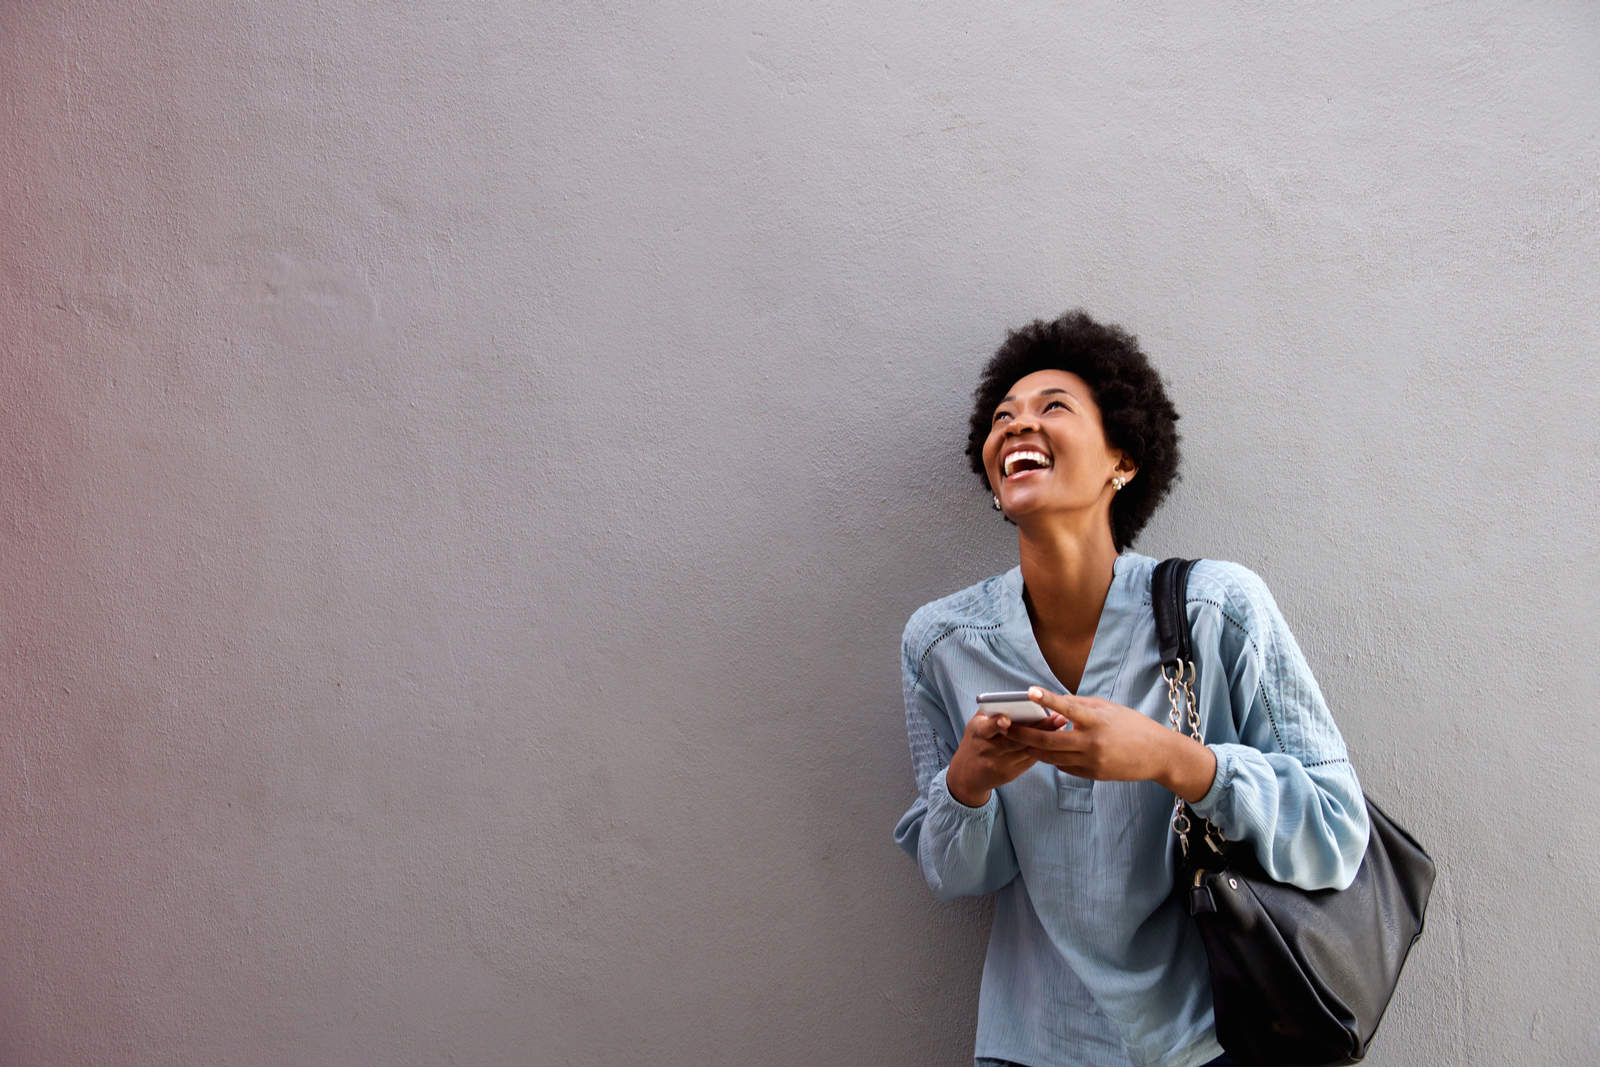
[{"x": 1022, "y": 462}]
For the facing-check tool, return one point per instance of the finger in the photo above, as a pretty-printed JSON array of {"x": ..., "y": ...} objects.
[
  {"x": 986, "y": 726},
  {"x": 1068, "y": 763},
  {"x": 1055, "y": 702},
  {"x": 1053, "y": 740},
  {"x": 1052, "y": 722},
  {"x": 1002, "y": 739},
  {"x": 992, "y": 730},
  {"x": 1074, "y": 708}
]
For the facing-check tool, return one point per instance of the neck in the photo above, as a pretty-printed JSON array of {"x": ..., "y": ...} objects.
[{"x": 1066, "y": 574}]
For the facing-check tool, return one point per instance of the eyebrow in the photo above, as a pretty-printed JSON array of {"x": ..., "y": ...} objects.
[{"x": 1041, "y": 393}]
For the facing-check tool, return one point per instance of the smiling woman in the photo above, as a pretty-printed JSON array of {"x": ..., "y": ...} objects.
[
  {"x": 1092, "y": 959},
  {"x": 1093, "y": 370}
]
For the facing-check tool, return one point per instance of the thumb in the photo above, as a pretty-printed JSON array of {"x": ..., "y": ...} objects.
[{"x": 987, "y": 726}]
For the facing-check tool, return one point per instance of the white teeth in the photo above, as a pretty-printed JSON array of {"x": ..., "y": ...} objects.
[{"x": 1025, "y": 454}]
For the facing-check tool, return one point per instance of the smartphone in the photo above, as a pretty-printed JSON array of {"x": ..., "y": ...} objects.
[{"x": 1013, "y": 703}]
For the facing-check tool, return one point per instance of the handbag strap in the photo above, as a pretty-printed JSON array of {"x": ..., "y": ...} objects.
[
  {"x": 1169, "y": 586},
  {"x": 1169, "y": 596}
]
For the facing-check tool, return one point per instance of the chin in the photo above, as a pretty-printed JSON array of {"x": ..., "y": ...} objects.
[
  {"x": 1015, "y": 510},
  {"x": 1023, "y": 499}
]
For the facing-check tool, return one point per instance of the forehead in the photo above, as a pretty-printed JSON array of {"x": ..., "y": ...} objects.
[{"x": 1028, "y": 385}]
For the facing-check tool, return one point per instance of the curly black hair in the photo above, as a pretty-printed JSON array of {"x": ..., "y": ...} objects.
[{"x": 1135, "y": 410}]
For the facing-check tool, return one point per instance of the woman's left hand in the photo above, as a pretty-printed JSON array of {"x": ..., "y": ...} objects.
[{"x": 1112, "y": 741}]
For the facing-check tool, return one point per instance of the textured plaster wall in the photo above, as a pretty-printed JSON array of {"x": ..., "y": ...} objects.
[{"x": 465, "y": 468}]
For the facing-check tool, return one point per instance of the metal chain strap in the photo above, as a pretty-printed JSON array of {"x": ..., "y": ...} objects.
[
  {"x": 1180, "y": 695},
  {"x": 1179, "y": 686}
]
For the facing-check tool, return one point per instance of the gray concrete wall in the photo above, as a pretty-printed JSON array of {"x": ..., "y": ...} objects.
[{"x": 466, "y": 466}]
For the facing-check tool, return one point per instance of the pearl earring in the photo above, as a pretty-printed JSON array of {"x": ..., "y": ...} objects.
[
  {"x": 997, "y": 503},
  {"x": 1119, "y": 482}
]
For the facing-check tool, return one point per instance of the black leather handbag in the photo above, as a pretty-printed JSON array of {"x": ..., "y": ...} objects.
[{"x": 1297, "y": 976}]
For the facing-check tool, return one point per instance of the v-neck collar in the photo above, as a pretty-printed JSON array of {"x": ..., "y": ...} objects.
[{"x": 1111, "y": 633}]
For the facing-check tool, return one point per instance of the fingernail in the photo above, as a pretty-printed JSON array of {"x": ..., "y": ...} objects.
[
  {"x": 1002, "y": 723},
  {"x": 1035, "y": 693}
]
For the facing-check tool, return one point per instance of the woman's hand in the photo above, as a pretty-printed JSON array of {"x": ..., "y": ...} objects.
[
  {"x": 987, "y": 757},
  {"x": 1111, "y": 741}
]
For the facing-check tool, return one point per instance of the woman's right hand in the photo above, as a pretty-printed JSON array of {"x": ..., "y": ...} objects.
[{"x": 987, "y": 757}]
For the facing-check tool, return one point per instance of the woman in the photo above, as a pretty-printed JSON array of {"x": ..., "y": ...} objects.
[{"x": 1092, "y": 959}]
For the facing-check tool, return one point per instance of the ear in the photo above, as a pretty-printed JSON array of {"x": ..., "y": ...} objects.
[{"x": 1125, "y": 465}]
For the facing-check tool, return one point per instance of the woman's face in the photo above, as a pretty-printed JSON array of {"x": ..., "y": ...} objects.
[{"x": 1047, "y": 432}]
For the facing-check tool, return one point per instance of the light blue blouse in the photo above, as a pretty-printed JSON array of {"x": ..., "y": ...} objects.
[{"x": 1092, "y": 959}]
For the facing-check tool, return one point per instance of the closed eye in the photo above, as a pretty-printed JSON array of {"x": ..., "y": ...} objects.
[{"x": 1051, "y": 404}]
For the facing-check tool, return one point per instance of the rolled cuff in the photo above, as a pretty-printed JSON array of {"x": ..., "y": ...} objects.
[
  {"x": 941, "y": 800},
  {"x": 1210, "y": 806}
]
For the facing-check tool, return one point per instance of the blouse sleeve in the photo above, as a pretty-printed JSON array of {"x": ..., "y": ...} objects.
[
  {"x": 961, "y": 850},
  {"x": 1286, "y": 786}
]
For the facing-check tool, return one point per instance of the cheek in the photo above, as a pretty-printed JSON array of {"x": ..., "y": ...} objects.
[{"x": 991, "y": 452}]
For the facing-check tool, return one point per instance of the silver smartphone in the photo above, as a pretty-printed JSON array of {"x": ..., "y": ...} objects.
[{"x": 1013, "y": 703}]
